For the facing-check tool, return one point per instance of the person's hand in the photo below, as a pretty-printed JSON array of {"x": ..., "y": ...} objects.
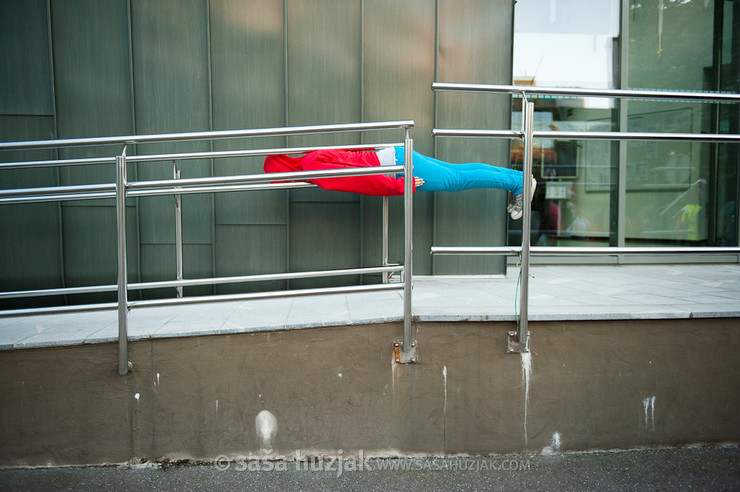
[{"x": 418, "y": 182}]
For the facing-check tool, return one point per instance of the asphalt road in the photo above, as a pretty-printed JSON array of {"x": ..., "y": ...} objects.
[{"x": 691, "y": 468}]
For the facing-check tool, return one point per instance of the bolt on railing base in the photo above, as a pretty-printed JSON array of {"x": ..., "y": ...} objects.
[
  {"x": 402, "y": 357},
  {"x": 515, "y": 346},
  {"x": 125, "y": 369}
]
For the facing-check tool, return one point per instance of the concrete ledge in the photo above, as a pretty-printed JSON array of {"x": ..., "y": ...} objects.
[{"x": 586, "y": 385}]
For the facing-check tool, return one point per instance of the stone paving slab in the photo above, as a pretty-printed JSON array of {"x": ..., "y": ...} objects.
[{"x": 556, "y": 293}]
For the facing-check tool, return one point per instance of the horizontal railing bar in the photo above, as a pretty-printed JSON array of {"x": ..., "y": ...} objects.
[
  {"x": 265, "y": 295},
  {"x": 57, "y": 198},
  {"x": 209, "y": 135},
  {"x": 57, "y": 162},
  {"x": 201, "y": 281},
  {"x": 78, "y": 308},
  {"x": 219, "y": 189},
  {"x": 581, "y": 250},
  {"x": 639, "y": 136},
  {"x": 157, "y": 192},
  {"x": 580, "y": 92},
  {"x": 201, "y": 299},
  {"x": 573, "y": 135},
  {"x": 631, "y": 250},
  {"x": 247, "y": 153},
  {"x": 444, "y": 132},
  {"x": 58, "y": 190},
  {"x": 476, "y": 250},
  {"x": 185, "y": 156},
  {"x": 264, "y": 178},
  {"x": 184, "y": 186},
  {"x": 60, "y": 291},
  {"x": 268, "y": 277}
]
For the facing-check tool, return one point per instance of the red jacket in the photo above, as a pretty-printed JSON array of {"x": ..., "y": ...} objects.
[{"x": 377, "y": 185}]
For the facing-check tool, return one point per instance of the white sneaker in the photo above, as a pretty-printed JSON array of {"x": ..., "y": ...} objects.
[{"x": 515, "y": 207}]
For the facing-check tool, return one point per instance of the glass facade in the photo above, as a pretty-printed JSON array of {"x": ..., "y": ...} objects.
[{"x": 601, "y": 193}]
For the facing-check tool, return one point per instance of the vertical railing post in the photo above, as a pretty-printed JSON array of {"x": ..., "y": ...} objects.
[
  {"x": 405, "y": 352},
  {"x": 178, "y": 232},
  {"x": 123, "y": 364},
  {"x": 385, "y": 238},
  {"x": 519, "y": 341}
]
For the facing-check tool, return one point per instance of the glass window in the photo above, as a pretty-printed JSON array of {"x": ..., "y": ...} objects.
[
  {"x": 670, "y": 47},
  {"x": 567, "y": 43},
  {"x": 674, "y": 193}
]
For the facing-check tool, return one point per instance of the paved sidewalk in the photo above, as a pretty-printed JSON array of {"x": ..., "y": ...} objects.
[
  {"x": 556, "y": 293},
  {"x": 695, "y": 468}
]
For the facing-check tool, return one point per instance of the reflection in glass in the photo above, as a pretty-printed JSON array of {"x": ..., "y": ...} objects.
[
  {"x": 567, "y": 43},
  {"x": 674, "y": 193}
]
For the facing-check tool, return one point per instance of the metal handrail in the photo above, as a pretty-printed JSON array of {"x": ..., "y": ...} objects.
[
  {"x": 531, "y": 90},
  {"x": 122, "y": 189},
  {"x": 584, "y": 250},
  {"x": 191, "y": 185},
  {"x": 593, "y": 135},
  {"x": 160, "y": 284},
  {"x": 212, "y": 135},
  {"x": 203, "y": 299},
  {"x": 182, "y": 156},
  {"x": 519, "y": 341}
]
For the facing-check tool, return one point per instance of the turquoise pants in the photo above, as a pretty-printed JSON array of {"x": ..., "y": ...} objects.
[{"x": 444, "y": 176}]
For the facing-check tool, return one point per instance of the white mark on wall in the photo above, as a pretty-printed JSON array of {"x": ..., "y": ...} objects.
[
  {"x": 394, "y": 376},
  {"x": 340, "y": 375},
  {"x": 157, "y": 379},
  {"x": 267, "y": 427},
  {"x": 554, "y": 446},
  {"x": 648, "y": 407},
  {"x": 137, "y": 396},
  {"x": 526, "y": 374},
  {"x": 444, "y": 377},
  {"x": 216, "y": 405}
]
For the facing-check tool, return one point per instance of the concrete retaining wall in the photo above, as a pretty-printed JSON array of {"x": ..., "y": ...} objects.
[{"x": 590, "y": 385}]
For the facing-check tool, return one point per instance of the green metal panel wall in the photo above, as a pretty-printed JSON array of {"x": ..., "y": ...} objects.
[
  {"x": 25, "y": 75},
  {"x": 144, "y": 66},
  {"x": 93, "y": 98},
  {"x": 30, "y": 242},
  {"x": 399, "y": 62},
  {"x": 474, "y": 40},
  {"x": 324, "y": 52},
  {"x": 247, "y": 56},
  {"x": 172, "y": 94}
]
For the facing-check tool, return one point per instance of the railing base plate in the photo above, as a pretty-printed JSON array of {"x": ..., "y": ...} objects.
[
  {"x": 402, "y": 357},
  {"x": 514, "y": 345}
]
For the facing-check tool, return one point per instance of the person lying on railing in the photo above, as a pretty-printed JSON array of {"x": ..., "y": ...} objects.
[{"x": 429, "y": 174}]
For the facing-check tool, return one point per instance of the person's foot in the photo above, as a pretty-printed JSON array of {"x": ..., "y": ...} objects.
[{"x": 515, "y": 207}]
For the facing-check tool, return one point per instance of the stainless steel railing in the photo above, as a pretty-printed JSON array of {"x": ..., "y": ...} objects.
[
  {"x": 519, "y": 340},
  {"x": 121, "y": 189}
]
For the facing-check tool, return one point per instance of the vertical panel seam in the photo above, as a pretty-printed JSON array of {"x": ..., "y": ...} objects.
[
  {"x": 286, "y": 102},
  {"x": 57, "y": 174},
  {"x": 362, "y": 134},
  {"x": 132, "y": 95},
  {"x": 209, "y": 56},
  {"x": 435, "y": 119}
]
